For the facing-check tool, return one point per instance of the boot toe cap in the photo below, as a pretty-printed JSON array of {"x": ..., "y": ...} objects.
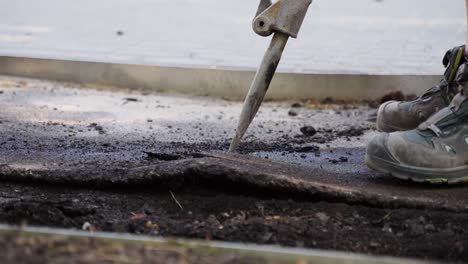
[
  {"x": 387, "y": 120},
  {"x": 377, "y": 149}
]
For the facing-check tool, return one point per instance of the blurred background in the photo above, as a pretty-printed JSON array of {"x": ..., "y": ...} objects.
[{"x": 338, "y": 36}]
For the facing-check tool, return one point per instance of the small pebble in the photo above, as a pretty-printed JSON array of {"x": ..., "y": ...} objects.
[
  {"x": 292, "y": 113},
  {"x": 308, "y": 131}
]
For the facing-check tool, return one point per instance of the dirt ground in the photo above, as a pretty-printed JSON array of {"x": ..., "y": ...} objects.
[
  {"x": 229, "y": 214},
  {"x": 138, "y": 163}
]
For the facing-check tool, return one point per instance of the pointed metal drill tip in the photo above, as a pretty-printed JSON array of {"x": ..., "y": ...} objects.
[
  {"x": 259, "y": 86},
  {"x": 251, "y": 105}
]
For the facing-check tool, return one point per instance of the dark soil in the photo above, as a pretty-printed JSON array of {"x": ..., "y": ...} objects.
[
  {"x": 217, "y": 212},
  {"x": 250, "y": 216}
]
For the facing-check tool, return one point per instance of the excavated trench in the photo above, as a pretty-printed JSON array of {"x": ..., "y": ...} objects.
[
  {"x": 121, "y": 162},
  {"x": 240, "y": 214}
]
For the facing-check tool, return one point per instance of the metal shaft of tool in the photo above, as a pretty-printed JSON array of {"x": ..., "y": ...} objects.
[{"x": 260, "y": 85}]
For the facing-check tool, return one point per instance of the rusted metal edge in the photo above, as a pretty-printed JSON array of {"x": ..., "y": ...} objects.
[
  {"x": 276, "y": 253},
  {"x": 226, "y": 83}
]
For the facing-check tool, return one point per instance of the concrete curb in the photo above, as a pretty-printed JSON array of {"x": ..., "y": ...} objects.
[
  {"x": 272, "y": 254},
  {"x": 226, "y": 83}
]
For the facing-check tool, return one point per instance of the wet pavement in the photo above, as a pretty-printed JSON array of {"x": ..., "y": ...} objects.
[
  {"x": 360, "y": 36},
  {"x": 57, "y": 133}
]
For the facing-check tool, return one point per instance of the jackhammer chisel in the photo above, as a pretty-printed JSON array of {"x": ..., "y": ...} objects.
[{"x": 283, "y": 19}]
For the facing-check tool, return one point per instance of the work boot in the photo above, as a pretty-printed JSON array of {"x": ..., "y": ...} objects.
[
  {"x": 401, "y": 116},
  {"x": 436, "y": 151}
]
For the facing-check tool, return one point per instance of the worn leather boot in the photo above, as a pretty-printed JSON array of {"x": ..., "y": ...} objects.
[
  {"x": 436, "y": 151},
  {"x": 401, "y": 116}
]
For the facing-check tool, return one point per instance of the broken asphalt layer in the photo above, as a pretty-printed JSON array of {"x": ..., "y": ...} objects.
[{"x": 59, "y": 133}]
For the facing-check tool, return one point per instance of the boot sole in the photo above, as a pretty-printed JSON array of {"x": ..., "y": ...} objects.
[{"x": 418, "y": 174}]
